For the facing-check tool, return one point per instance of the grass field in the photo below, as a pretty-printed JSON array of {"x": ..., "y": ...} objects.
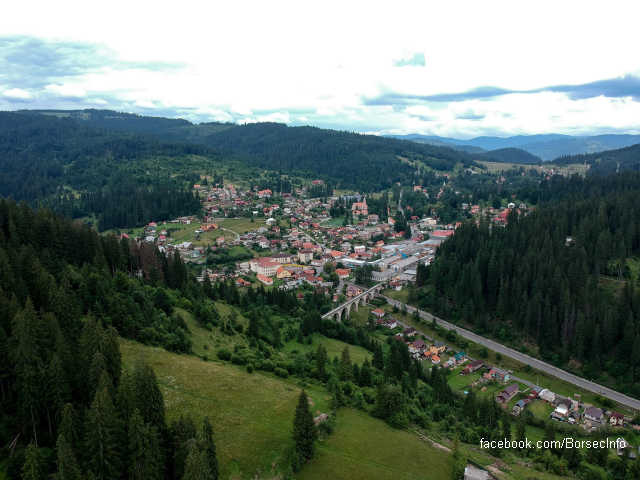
[
  {"x": 334, "y": 222},
  {"x": 251, "y": 413},
  {"x": 540, "y": 409},
  {"x": 459, "y": 382},
  {"x": 334, "y": 348},
  {"x": 364, "y": 448},
  {"x": 214, "y": 339},
  {"x": 241, "y": 225}
]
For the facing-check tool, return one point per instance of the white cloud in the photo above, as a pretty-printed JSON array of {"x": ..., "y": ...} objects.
[
  {"x": 17, "y": 95},
  {"x": 241, "y": 110},
  {"x": 327, "y": 82},
  {"x": 66, "y": 91},
  {"x": 146, "y": 104}
]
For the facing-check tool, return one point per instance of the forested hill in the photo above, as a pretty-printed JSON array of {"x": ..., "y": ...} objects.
[
  {"x": 607, "y": 162},
  {"x": 528, "y": 283},
  {"x": 512, "y": 155},
  {"x": 126, "y": 178},
  {"x": 363, "y": 162}
]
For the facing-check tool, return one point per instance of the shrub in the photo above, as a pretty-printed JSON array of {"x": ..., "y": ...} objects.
[
  {"x": 205, "y": 358},
  {"x": 224, "y": 354},
  {"x": 281, "y": 372},
  {"x": 249, "y": 368},
  {"x": 237, "y": 360}
]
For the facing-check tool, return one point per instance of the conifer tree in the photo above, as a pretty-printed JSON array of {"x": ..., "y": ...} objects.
[
  {"x": 31, "y": 468},
  {"x": 142, "y": 465},
  {"x": 305, "y": 431},
  {"x": 101, "y": 438},
  {"x": 209, "y": 447},
  {"x": 321, "y": 362},
  {"x": 149, "y": 398},
  {"x": 125, "y": 397},
  {"x": 66, "y": 461},
  {"x": 197, "y": 465},
  {"x": 345, "y": 364},
  {"x": 68, "y": 424},
  {"x": 378, "y": 358},
  {"x": 57, "y": 391}
]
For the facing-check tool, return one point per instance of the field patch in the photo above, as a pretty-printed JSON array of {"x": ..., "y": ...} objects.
[
  {"x": 252, "y": 414},
  {"x": 365, "y": 448}
]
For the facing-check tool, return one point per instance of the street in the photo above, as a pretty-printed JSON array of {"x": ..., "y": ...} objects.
[{"x": 521, "y": 357}]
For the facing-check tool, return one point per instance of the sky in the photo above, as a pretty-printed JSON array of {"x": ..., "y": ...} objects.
[{"x": 457, "y": 69}]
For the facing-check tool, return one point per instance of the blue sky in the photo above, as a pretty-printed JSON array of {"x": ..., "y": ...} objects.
[{"x": 458, "y": 69}]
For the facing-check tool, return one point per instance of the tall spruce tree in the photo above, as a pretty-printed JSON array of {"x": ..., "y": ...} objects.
[
  {"x": 209, "y": 447},
  {"x": 101, "y": 438},
  {"x": 66, "y": 461},
  {"x": 196, "y": 465},
  {"x": 305, "y": 431},
  {"x": 31, "y": 468}
]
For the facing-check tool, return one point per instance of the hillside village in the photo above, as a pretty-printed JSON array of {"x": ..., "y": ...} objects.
[{"x": 292, "y": 241}]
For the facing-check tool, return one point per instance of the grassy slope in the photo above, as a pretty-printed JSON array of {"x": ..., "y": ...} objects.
[
  {"x": 334, "y": 348},
  {"x": 251, "y": 413},
  {"x": 363, "y": 447}
]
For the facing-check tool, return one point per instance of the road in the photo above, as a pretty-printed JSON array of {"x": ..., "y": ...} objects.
[
  {"x": 231, "y": 231},
  {"x": 526, "y": 359}
]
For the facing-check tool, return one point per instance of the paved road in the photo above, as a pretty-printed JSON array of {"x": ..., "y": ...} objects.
[{"x": 526, "y": 359}]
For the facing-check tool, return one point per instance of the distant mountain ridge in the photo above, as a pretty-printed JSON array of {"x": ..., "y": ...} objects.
[
  {"x": 547, "y": 147},
  {"x": 512, "y": 155}
]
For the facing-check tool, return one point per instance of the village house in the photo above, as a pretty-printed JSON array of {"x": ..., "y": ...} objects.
[
  {"x": 281, "y": 258},
  {"x": 438, "y": 348},
  {"x": 435, "y": 359},
  {"x": 594, "y": 414},
  {"x": 266, "y": 280},
  {"x": 616, "y": 419},
  {"x": 342, "y": 273},
  {"x": 282, "y": 272},
  {"x": 499, "y": 374},
  {"x": 378, "y": 312},
  {"x": 472, "y": 367},
  {"x": 508, "y": 393},
  {"x": 353, "y": 291},
  {"x": 305, "y": 255},
  {"x": 547, "y": 396},
  {"x": 410, "y": 332},
  {"x": 519, "y": 406},
  {"x": 264, "y": 266},
  {"x": 241, "y": 282},
  {"x": 416, "y": 345},
  {"x": 391, "y": 323}
]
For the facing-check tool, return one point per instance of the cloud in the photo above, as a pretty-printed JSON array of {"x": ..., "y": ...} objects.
[
  {"x": 66, "y": 92},
  {"x": 241, "y": 110},
  {"x": 325, "y": 111},
  {"x": 417, "y": 60},
  {"x": 17, "y": 95},
  {"x": 146, "y": 104},
  {"x": 421, "y": 111},
  {"x": 303, "y": 119},
  {"x": 624, "y": 86}
]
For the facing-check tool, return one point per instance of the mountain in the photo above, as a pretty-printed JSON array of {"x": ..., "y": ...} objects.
[
  {"x": 628, "y": 158},
  {"x": 352, "y": 160},
  {"x": 486, "y": 143},
  {"x": 579, "y": 145},
  {"x": 512, "y": 155},
  {"x": 547, "y": 147}
]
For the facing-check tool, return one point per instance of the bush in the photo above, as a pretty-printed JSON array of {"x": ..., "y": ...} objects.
[
  {"x": 224, "y": 354},
  {"x": 281, "y": 372},
  {"x": 237, "y": 360},
  {"x": 249, "y": 368},
  {"x": 205, "y": 358}
]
